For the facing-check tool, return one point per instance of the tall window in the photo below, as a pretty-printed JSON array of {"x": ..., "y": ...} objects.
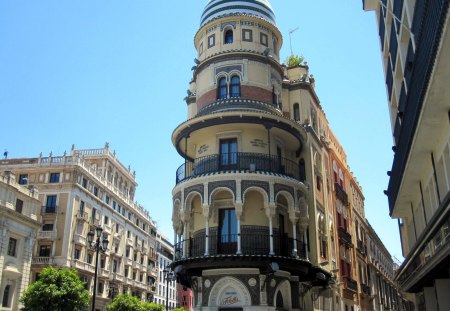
[
  {"x": 296, "y": 112},
  {"x": 222, "y": 90},
  {"x": 23, "y": 179},
  {"x": 235, "y": 87},
  {"x": 54, "y": 177},
  {"x": 227, "y": 231},
  {"x": 5, "y": 301},
  {"x": 228, "y": 153},
  {"x": 12, "y": 247},
  {"x": 229, "y": 36},
  {"x": 50, "y": 207},
  {"x": 323, "y": 246},
  {"x": 19, "y": 205},
  {"x": 45, "y": 251}
]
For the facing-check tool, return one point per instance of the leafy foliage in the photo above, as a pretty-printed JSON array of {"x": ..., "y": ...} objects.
[
  {"x": 126, "y": 302},
  {"x": 56, "y": 290},
  {"x": 151, "y": 306},
  {"x": 180, "y": 309},
  {"x": 294, "y": 60}
]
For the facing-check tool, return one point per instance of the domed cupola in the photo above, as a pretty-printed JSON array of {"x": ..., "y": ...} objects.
[{"x": 218, "y": 8}]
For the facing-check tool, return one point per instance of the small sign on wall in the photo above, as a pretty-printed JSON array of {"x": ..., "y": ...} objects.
[{"x": 230, "y": 298}]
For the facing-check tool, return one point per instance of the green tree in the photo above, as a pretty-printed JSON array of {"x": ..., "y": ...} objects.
[
  {"x": 151, "y": 306},
  {"x": 126, "y": 302},
  {"x": 294, "y": 60},
  {"x": 56, "y": 290}
]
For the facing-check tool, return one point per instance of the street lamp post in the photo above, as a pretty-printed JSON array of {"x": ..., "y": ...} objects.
[
  {"x": 170, "y": 276},
  {"x": 99, "y": 245}
]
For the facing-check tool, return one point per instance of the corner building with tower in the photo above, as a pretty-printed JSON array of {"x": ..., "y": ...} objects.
[
  {"x": 242, "y": 201},
  {"x": 261, "y": 214}
]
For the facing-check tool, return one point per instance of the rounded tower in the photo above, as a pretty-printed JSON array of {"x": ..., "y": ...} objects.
[{"x": 240, "y": 210}]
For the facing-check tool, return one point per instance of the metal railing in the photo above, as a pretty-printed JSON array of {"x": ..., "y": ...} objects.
[
  {"x": 246, "y": 161},
  {"x": 49, "y": 210},
  {"x": 345, "y": 236},
  {"x": 251, "y": 244},
  {"x": 341, "y": 194},
  {"x": 350, "y": 284}
]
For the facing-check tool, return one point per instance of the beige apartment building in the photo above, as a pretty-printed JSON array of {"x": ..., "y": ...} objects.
[
  {"x": 19, "y": 224},
  {"x": 415, "y": 47},
  {"x": 79, "y": 192}
]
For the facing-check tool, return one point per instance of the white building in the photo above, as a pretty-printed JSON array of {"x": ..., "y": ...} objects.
[{"x": 165, "y": 258}]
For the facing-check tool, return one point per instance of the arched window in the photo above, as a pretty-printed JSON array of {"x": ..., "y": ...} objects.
[
  {"x": 222, "y": 89},
  {"x": 296, "y": 112},
  {"x": 235, "y": 87},
  {"x": 229, "y": 36}
]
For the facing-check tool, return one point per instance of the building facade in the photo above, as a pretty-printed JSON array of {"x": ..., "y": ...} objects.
[
  {"x": 415, "y": 44},
  {"x": 19, "y": 223},
  {"x": 78, "y": 193},
  {"x": 244, "y": 206},
  {"x": 166, "y": 291}
]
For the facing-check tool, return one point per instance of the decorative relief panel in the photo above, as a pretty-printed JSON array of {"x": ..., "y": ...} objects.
[
  {"x": 232, "y": 291},
  {"x": 228, "y": 69},
  {"x": 254, "y": 183},
  {"x": 230, "y": 184},
  {"x": 197, "y": 188},
  {"x": 177, "y": 196},
  {"x": 223, "y": 25},
  {"x": 281, "y": 187}
]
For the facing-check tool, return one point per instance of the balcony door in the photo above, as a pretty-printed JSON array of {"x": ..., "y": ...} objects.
[
  {"x": 228, "y": 154},
  {"x": 227, "y": 241}
]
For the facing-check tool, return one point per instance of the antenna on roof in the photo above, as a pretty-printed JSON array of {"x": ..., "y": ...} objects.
[{"x": 290, "y": 38}]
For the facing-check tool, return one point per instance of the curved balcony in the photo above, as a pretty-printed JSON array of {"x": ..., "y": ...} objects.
[
  {"x": 238, "y": 161},
  {"x": 252, "y": 243},
  {"x": 238, "y": 103}
]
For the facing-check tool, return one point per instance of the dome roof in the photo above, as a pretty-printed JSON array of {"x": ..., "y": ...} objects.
[{"x": 216, "y": 8}]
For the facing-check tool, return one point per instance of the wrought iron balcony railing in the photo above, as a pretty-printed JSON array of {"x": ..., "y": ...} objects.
[
  {"x": 251, "y": 162},
  {"x": 345, "y": 236},
  {"x": 350, "y": 284},
  {"x": 49, "y": 210},
  {"x": 341, "y": 194},
  {"x": 251, "y": 244}
]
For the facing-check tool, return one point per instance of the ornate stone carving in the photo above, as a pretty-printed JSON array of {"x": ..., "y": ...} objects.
[
  {"x": 177, "y": 196},
  {"x": 197, "y": 188},
  {"x": 229, "y": 184},
  {"x": 281, "y": 187},
  {"x": 254, "y": 183}
]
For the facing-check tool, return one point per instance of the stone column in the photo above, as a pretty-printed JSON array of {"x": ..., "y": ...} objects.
[
  {"x": 185, "y": 239},
  {"x": 270, "y": 212},
  {"x": 206, "y": 215},
  {"x": 295, "y": 249},
  {"x": 271, "y": 252},
  {"x": 239, "y": 208}
]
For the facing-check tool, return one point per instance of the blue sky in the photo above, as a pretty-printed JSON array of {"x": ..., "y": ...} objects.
[{"x": 86, "y": 72}]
